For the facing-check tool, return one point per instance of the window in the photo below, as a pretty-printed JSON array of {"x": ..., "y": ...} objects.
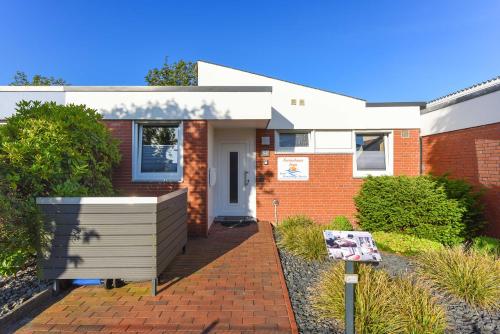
[
  {"x": 293, "y": 141},
  {"x": 373, "y": 154},
  {"x": 157, "y": 152}
]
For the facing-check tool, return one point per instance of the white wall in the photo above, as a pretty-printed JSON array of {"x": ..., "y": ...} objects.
[
  {"x": 150, "y": 104},
  {"x": 478, "y": 111},
  {"x": 322, "y": 110},
  {"x": 9, "y": 99}
]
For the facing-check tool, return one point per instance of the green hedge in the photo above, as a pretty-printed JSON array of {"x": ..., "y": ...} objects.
[
  {"x": 411, "y": 205},
  {"x": 403, "y": 243},
  {"x": 48, "y": 150}
]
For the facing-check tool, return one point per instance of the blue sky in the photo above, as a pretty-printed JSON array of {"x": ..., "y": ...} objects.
[{"x": 375, "y": 50}]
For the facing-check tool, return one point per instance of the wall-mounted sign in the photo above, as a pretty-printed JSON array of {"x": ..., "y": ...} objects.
[
  {"x": 351, "y": 246},
  {"x": 293, "y": 169}
]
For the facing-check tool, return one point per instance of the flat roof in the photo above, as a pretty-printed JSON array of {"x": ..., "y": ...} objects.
[{"x": 243, "y": 89}]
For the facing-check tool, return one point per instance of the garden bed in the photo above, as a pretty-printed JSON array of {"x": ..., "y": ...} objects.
[
  {"x": 17, "y": 289},
  {"x": 300, "y": 275}
]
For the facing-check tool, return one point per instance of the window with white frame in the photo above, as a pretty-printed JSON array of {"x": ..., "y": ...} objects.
[
  {"x": 294, "y": 141},
  {"x": 313, "y": 141},
  {"x": 157, "y": 152},
  {"x": 373, "y": 155}
]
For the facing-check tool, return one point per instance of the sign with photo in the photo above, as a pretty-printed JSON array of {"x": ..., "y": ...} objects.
[
  {"x": 293, "y": 169},
  {"x": 351, "y": 246}
]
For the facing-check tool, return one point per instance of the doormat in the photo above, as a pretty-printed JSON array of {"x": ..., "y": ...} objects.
[{"x": 234, "y": 221}]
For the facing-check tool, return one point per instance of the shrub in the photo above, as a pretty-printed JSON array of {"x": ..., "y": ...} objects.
[
  {"x": 341, "y": 223},
  {"x": 300, "y": 236},
  {"x": 487, "y": 244},
  {"x": 403, "y": 243},
  {"x": 468, "y": 199},
  {"x": 470, "y": 275},
  {"x": 410, "y": 205},
  {"x": 48, "y": 150},
  {"x": 383, "y": 305}
]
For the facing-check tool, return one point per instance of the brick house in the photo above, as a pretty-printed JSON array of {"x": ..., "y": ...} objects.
[{"x": 250, "y": 145}]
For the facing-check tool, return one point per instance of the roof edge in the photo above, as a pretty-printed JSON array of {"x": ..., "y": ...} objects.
[
  {"x": 274, "y": 78},
  {"x": 396, "y": 104},
  {"x": 462, "y": 98},
  {"x": 244, "y": 89}
]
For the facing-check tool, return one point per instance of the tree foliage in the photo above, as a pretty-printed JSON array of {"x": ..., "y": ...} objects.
[
  {"x": 22, "y": 79},
  {"x": 48, "y": 149},
  {"x": 180, "y": 73}
]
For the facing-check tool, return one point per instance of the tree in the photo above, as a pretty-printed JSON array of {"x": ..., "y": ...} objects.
[
  {"x": 48, "y": 149},
  {"x": 21, "y": 79},
  {"x": 181, "y": 73}
]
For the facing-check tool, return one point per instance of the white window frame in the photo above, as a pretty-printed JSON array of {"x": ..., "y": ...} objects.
[
  {"x": 311, "y": 149},
  {"x": 137, "y": 175},
  {"x": 389, "y": 154},
  {"x": 279, "y": 149}
]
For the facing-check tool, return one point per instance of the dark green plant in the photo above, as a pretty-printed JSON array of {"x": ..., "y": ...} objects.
[
  {"x": 341, "y": 223},
  {"x": 411, "y": 205},
  {"x": 49, "y": 150},
  {"x": 21, "y": 79},
  {"x": 468, "y": 199},
  {"x": 180, "y": 73}
]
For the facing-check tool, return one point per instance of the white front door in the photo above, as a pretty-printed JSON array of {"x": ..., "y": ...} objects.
[{"x": 234, "y": 179}]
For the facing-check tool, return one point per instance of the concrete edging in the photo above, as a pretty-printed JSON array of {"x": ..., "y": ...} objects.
[
  {"x": 26, "y": 307},
  {"x": 289, "y": 309}
]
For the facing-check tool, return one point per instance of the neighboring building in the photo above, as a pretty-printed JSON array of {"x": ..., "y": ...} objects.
[
  {"x": 239, "y": 141},
  {"x": 461, "y": 136}
]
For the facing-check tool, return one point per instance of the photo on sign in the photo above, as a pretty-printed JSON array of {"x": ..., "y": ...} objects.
[{"x": 351, "y": 246}]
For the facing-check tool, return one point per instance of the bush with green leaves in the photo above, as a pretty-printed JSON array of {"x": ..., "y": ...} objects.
[
  {"x": 410, "y": 205},
  {"x": 403, "y": 243},
  {"x": 486, "y": 244},
  {"x": 341, "y": 223},
  {"x": 470, "y": 275},
  {"x": 382, "y": 305},
  {"x": 48, "y": 149},
  {"x": 468, "y": 199}
]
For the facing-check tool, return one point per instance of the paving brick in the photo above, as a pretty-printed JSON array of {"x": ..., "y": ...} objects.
[{"x": 203, "y": 290}]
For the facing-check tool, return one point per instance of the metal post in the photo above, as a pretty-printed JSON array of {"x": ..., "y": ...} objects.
[
  {"x": 154, "y": 286},
  {"x": 56, "y": 287},
  {"x": 351, "y": 278}
]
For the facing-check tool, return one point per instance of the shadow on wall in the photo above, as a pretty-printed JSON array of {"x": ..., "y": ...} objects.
[
  {"x": 469, "y": 154},
  {"x": 169, "y": 110}
]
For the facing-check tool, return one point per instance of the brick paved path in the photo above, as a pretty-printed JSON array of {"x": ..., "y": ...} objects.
[{"x": 230, "y": 282}]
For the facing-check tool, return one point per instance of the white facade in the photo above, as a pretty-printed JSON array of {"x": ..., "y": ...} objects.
[
  {"x": 481, "y": 110},
  {"x": 320, "y": 109}
]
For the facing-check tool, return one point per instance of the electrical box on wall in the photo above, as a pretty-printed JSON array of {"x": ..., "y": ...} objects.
[
  {"x": 266, "y": 140},
  {"x": 211, "y": 176},
  {"x": 264, "y": 153}
]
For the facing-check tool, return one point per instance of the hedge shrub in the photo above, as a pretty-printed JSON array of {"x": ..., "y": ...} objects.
[
  {"x": 410, "y": 205},
  {"x": 48, "y": 150},
  {"x": 341, "y": 223}
]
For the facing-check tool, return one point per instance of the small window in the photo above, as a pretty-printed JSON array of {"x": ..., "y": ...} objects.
[
  {"x": 372, "y": 154},
  {"x": 293, "y": 102},
  {"x": 302, "y": 102},
  {"x": 157, "y": 153},
  {"x": 294, "y": 139}
]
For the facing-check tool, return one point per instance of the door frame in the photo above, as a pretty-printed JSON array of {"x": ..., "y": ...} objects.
[{"x": 235, "y": 136}]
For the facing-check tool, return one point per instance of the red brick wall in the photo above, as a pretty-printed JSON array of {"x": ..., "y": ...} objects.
[
  {"x": 472, "y": 154},
  {"x": 195, "y": 171},
  {"x": 331, "y": 186}
]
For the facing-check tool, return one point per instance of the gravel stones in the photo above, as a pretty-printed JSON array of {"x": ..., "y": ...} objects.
[
  {"x": 15, "y": 290},
  {"x": 300, "y": 275}
]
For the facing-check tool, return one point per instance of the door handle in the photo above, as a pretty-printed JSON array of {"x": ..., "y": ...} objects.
[{"x": 247, "y": 181}]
